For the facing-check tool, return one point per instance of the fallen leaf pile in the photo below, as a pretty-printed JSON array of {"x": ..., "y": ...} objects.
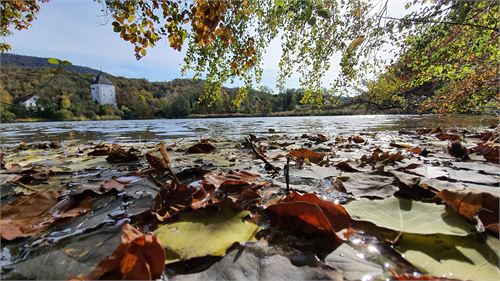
[{"x": 419, "y": 205}]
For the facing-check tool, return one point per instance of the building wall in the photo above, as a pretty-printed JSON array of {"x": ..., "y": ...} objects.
[
  {"x": 31, "y": 102},
  {"x": 103, "y": 94}
]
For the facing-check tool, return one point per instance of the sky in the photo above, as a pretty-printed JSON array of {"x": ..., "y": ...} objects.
[{"x": 75, "y": 30}]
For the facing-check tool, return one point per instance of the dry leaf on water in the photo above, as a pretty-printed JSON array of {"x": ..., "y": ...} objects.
[
  {"x": 138, "y": 257},
  {"x": 310, "y": 155}
]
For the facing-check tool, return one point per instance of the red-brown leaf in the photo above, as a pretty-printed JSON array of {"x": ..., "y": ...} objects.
[{"x": 138, "y": 257}]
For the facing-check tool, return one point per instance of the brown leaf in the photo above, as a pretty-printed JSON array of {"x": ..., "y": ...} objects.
[
  {"x": 138, "y": 257},
  {"x": 443, "y": 136},
  {"x": 112, "y": 184},
  {"x": 117, "y": 154},
  {"x": 490, "y": 151},
  {"x": 32, "y": 214},
  {"x": 320, "y": 214},
  {"x": 469, "y": 203},
  {"x": 156, "y": 163},
  {"x": 202, "y": 147},
  {"x": 170, "y": 201},
  {"x": 356, "y": 139},
  {"x": 336, "y": 214},
  {"x": 230, "y": 178},
  {"x": 303, "y": 153},
  {"x": 345, "y": 167},
  {"x": 458, "y": 150}
]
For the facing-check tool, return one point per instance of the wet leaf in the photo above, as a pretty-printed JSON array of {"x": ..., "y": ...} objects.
[
  {"x": 345, "y": 167},
  {"x": 458, "y": 150},
  {"x": 310, "y": 209},
  {"x": 202, "y": 147},
  {"x": 259, "y": 262},
  {"x": 32, "y": 214},
  {"x": 202, "y": 234},
  {"x": 352, "y": 264},
  {"x": 443, "y": 136},
  {"x": 117, "y": 154},
  {"x": 409, "y": 216},
  {"x": 470, "y": 203},
  {"x": 490, "y": 151},
  {"x": 138, "y": 257},
  {"x": 361, "y": 184},
  {"x": 466, "y": 258},
  {"x": 356, "y": 139}
]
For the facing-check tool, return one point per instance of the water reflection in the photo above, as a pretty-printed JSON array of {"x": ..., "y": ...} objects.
[{"x": 154, "y": 130}]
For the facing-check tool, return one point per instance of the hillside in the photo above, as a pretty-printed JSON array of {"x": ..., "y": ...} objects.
[
  {"x": 13, "y": 60},
  {"x": 65, "y": 95}
]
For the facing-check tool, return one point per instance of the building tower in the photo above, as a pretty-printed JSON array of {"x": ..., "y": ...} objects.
[{"x": 103, "y": 90}]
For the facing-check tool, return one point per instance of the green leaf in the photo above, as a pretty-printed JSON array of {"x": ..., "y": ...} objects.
[
  {"x": 53, "y": 61},
  {"x": 143, "y": 52},
  {"x": 409, "y": 216},
  {"x": 205, "y": 234},
  {"x": 464, "y": 258},
  {"x": 279, "y": 3}
]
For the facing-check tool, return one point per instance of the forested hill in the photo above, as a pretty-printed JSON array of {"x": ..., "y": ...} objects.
[
  {"x": 8, "y": 60},
  {"x": 65, "y": 95}
]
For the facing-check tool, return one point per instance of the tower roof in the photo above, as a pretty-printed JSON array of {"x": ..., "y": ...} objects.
[{"x": 101, "y": 79}]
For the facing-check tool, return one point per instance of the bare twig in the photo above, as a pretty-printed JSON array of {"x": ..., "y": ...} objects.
[
  {"x": 287, "y": 174},
  {"x": 261, "y": 157}
]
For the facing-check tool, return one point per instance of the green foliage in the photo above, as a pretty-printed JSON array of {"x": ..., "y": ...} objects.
[{"x": 447, "y": 67}]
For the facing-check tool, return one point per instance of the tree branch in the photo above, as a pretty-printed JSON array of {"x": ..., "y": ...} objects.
[{"x": 444, "y": 22}]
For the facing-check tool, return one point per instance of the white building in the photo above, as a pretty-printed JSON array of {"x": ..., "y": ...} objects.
[
  {"x": 29, "y": 101},
  {"x": 103, "y": 90}
]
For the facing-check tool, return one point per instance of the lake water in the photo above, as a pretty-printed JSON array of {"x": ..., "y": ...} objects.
[{"x": 232, "y": 128}]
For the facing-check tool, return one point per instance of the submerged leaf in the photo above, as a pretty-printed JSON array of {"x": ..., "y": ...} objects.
[
  {"x": 466, "y": 258},
  {"x": 409, "y": 216}
]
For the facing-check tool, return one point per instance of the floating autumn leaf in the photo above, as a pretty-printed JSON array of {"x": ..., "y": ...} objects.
[
  {"x": 443, "y": 136},
  {"x": 230, "y": 178},
  {"x": 470, "y": 203},
  {"x": 117, "y": 154},
  {"x": 112, "y": 184},
  {"x": 490, "y": 151},
  {"x": 307, "y": 154},
  {"x": 202, "y": 234},
  {"x": 156, "y": 163},
  {"x": 382, "y": 156},
  {"x": 12, "y": 167},
  {"x": 424, "y": 131},
  {"x": 319, "y": 138},
  {"x": 356, "y": 139},
  {"x": 32, "y": 177},
  {"x": 419, "y": 151},
  {"x": 138, "y": 257},
  {"x": 32, "y": 214},
  {"x": 222, "y": 184},
  {"x": 202, "y": 147},
  {"x": 336, "y": 214},
  {"x": 458, "y": 150},
  {"x": 345, "y": 167},
  {"x": 170, "y": 201}
]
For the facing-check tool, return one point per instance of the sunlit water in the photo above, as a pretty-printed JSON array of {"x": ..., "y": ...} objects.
[{"x": 232, "y": 128}]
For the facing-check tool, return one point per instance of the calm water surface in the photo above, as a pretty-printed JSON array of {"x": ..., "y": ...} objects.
[{"x": 232, "y": 128}]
